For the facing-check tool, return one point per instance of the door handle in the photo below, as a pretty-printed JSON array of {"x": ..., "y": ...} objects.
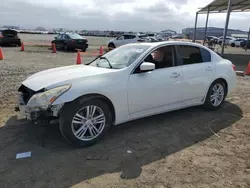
[
  {"x": 209, "y": 68},
  {"x": 175, "y": 75}
]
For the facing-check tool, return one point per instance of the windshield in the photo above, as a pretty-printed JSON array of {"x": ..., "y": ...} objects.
[
  {"x": 120, "y": 57},
  {"x": 75, "y": 36}
]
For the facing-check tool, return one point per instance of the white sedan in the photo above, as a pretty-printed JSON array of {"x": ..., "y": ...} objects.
[
  {"x": 127, "y": 83},
  {"x": 236, "y": 42},
  {"x": 127, "y": 39}
]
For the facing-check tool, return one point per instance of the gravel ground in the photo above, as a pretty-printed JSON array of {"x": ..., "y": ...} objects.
[{"x": 186, "y": 148}]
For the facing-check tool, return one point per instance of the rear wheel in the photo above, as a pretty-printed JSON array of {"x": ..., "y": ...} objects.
[
  {"x": 216, "y": 95},
  {"x": 220, "y": 43},
  {"x": 233, "y": 45},
  {"x": 84, "y": 122}
]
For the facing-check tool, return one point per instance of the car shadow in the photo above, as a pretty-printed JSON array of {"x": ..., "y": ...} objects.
[{"x": 126, "y": 149}]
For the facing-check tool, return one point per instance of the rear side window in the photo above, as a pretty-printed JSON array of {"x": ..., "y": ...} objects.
[
  {"x": 193, "y": 55},
  {"x": 131, "y": 36},
  {"x": 206, "y": 56}
]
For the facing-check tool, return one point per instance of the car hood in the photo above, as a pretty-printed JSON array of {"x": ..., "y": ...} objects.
[{"x": 63, "y": 75}]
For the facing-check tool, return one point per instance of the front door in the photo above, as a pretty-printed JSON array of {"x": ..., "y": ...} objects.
[
  {"x": 120, "y": 41},
  {"x": 158, "y": 90}
]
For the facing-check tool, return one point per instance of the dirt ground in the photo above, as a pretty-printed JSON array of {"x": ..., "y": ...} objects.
[{"x": 182, "y": 149}]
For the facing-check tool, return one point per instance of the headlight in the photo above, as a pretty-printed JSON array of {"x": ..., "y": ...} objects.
[{"x": 44, "y": 99}]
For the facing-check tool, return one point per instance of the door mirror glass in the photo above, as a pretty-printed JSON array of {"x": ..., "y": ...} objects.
[{"x": 146, "y": 66}]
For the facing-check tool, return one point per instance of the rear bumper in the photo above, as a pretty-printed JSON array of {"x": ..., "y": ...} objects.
[{"x": 78, "y": 46}]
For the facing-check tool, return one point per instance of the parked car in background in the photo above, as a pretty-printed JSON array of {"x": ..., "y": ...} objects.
[
  {"x": 9, "y": 37},
  {"x": 162, "y": 37},
  {"x": 212, "y": 38},
  {"x": 244, "y": 43},
  {"x": 70, "y": 41},
  {"x": 127, "y": 39},
  {"x": 177, "y": 37},
  {"x": 236, "y": 42},
  {"x": 130, "y": 82},
  {"x": 226, "y": 40}
]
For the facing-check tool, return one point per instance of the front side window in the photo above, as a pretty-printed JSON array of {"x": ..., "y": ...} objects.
[
  {"x": 193, "y": 55},
  {"x": 120, "y": 57},
  {"x": 120, "y": 38},
  {"x": 162, "y": 57}
]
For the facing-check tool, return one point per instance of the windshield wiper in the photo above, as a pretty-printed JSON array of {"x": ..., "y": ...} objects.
[{"x": 103, "y": 57}]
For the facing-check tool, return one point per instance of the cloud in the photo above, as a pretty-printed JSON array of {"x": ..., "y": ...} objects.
[{"x": 129, "y": 15}]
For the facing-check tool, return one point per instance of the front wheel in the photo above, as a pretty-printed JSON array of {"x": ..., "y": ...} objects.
[
  {"x": 216, "y": 95},
  {"x": 84, "y": 122},
  {"x": 233, "y": 45}
]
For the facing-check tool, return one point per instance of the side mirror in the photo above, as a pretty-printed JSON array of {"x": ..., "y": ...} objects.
[{"x": 146, "y": 66}]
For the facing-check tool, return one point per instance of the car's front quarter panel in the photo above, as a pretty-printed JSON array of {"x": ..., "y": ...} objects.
[{"x": 112, "y": 86}]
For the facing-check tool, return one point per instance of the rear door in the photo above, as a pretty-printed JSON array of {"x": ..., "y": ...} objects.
[
  {"x": 198, "y": 71},
  {"x": 131, "y": 39}
]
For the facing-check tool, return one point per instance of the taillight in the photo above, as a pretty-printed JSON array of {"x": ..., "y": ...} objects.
[
  {"x": 234, "y": 67},
  {"x": 1, "y": 36}
]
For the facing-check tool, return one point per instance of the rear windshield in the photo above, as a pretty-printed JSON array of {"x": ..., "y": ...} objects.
[
  {"x": 9, "y": 33},
  {"x": 75, "y": 36}
]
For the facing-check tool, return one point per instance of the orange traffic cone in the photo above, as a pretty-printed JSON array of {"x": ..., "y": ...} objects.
[
  {"x": 78, "y": 58},
  {"x": 1, "y": 54},
  {"x": 53, "y": 48},
  {"x": 22, "y": 47},
  {"x": 247, "y": 72},
  {"x": 101, "y": 50}
]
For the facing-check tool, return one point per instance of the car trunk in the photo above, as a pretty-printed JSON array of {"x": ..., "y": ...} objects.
[{"x": 9, "y": 33}]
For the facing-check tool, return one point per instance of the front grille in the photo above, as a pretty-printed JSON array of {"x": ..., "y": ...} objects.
[{"x": 27, "y": 93}]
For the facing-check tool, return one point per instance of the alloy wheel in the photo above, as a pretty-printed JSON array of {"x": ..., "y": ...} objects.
[
  {"x": 217, "y": 94},
  {"x": 88, "y": 123}
]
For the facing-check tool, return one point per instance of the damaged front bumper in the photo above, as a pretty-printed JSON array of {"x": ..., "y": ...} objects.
[{"x": 37, "y": 114}]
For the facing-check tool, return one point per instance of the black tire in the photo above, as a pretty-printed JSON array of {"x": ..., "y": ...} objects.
[
  {"x": 111, "y": 45},
  {"x": 68, "y": 113},
  {"x": 84, "y": 50},
  {"x": 208, "y": 104},
  {"x": 220, "y": 43},
  {"x": 233, "y": 45}
]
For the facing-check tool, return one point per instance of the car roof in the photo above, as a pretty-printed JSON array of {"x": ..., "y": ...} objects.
[{"x": 155, "y": 44}]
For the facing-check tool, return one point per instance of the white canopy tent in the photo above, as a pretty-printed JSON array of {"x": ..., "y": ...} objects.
[{"x": 222, "y": 6}]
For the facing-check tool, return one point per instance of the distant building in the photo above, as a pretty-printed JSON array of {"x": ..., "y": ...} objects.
[
  {"x": 40, "y": 29},
  {"x": 211, "y": 31},
  {"x": 169, "y": 32}
]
